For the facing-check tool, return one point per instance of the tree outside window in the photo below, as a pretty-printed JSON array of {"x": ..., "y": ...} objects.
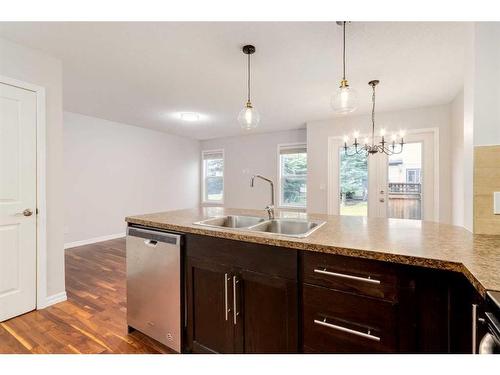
[
  {"x": 293, "y": 176},
  {"x": 213, "y": 176}
]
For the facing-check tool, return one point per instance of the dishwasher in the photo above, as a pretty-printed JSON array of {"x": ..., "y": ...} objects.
[{"x": 154, "y": 284}]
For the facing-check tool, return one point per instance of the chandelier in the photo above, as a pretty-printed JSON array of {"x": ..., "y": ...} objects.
[{"x": 392, "y": 147}]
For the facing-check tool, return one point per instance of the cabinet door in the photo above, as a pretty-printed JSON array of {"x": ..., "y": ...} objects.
[
  {"x": 209, "y": 323},
  {"x": 266, "y": 308}
]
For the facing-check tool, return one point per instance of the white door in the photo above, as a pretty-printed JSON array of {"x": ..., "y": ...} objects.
[
  {"x": 400, "y": 186},
  {"x": 17, "y": 201}
]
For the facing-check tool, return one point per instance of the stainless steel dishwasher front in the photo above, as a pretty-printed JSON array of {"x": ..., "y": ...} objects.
[{"x": 154, "y": 284}]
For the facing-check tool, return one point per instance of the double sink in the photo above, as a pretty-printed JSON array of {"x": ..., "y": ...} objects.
[{"x": 282, "y": 226}]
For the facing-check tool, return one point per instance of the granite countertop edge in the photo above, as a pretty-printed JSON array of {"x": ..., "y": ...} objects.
[{"x": 282, "y": 241}]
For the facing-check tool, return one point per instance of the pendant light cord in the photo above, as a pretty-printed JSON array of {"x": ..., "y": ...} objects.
[
  {"x": 248, "y": 78},
  {"x": 343, "y": 51},
  {"x": 373, "y": 115}
]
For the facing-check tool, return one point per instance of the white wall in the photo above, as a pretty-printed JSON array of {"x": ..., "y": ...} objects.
[
  {"x": 248, "y": 155},
  {"x": 457, "y": 159},
  {"x": 112, "y": 170},
  {"x": 487, "y": 83},
  {"x": 468, "y": 155},
  {"x": 31, "y": 66},
  {"x": 317, "y": 145},
  {"x": 481, "y": 101}
]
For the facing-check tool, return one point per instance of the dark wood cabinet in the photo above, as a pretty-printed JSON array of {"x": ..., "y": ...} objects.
[
  {"x": 207, "y": 320},
  {"x": 339, "y": 322},
  {"x": 355, "y": 305},
  {"x": 234, "y": 308},
  {"x": 268, "y": 320},
  {"x": 361, "y": 276},
  {"x": 242, "y": 297}
]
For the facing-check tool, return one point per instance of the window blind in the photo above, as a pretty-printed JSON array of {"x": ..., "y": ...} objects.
[
  {"x": 211, "y": 155},
  {"x": 296, "y": 149}
]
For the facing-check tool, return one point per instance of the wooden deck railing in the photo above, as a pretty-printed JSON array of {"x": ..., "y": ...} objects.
[{"x": 404, "y": 188}]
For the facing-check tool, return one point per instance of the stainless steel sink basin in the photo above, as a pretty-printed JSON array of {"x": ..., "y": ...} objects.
[
  {"x": 288, "y": 227},
  {"x": 231, "y": 221},
  {"x": 283, "y": 227}
]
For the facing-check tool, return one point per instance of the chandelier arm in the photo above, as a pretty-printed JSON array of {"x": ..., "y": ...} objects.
[
  {"x": 388, "y": 151},
  {"x": 347, "y": 153}
]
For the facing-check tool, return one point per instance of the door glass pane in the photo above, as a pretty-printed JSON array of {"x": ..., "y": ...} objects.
[
  {"x": 405, "y": 189},
  {"x": 353, "y": 184}
]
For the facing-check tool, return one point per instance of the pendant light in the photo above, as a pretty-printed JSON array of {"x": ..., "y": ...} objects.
[
  {"x": 248, "y": 117},
  {"x": 344, "y": 100}
]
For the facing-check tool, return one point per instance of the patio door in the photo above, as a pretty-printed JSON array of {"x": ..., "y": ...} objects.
[{"x": 398, "y": 186}]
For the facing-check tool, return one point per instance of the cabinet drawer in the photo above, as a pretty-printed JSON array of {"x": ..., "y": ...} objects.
[
  {"x": 266, "y": 259},
  {"x": 338, "y": 322},
  {"x": 361, "y": 276}
]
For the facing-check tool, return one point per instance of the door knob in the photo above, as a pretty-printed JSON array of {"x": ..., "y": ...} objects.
[
  {"x": 382, "y": 200},
  {"x": 27, "y": 212}
]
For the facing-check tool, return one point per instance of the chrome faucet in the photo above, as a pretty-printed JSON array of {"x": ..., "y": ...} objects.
[{"x": 269, "y": 208}]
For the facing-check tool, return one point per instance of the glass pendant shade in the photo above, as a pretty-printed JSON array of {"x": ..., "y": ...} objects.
[
  {"x": 344, "y": 100},
  {"x": 249, "y": 117}
]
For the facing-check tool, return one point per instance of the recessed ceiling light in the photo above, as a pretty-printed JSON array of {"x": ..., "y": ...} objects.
[{"x": 190, "y": 116}]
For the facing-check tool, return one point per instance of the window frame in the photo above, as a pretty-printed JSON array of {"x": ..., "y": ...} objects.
[
  {"x": 280, "y": 147},
  {"x": 204, "y": 178}
]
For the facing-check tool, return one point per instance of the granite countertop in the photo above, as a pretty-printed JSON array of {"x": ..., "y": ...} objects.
[{"x": 412, "y": 242}]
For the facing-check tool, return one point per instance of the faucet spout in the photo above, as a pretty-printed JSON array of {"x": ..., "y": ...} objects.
[{"x": 270, "y": 208}]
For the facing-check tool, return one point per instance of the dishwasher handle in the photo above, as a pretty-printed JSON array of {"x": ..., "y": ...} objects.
[{"x": 152, "y": 236}]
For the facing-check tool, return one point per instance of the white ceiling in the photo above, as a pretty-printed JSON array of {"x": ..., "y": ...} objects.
[{"x": 143, "y": 73}]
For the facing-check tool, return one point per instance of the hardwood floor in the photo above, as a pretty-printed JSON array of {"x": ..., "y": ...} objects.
[{"x": 92, "y": 320}]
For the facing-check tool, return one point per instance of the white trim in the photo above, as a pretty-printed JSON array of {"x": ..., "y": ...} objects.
[
  {"x": 41, "y": 188},
  {"x": 278, "y": 175},
  {"x": 70, "y": 245},
  {"x": 337, "y": 140},
  {"x": 202, "y": 179},
  {"x": 487, "y": 144},
  {"x": 53, "y": 299}
]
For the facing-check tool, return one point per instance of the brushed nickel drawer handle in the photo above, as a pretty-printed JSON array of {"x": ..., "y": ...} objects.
[
  {"x": 344, "y": 276},
  {"x": 367, "y": 335},
  {"x": 235, "y": 303},
  {"x": 225, "y": 296}
]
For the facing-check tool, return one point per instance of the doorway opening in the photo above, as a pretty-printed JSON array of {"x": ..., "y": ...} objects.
[{"x": 401, "y": 186}]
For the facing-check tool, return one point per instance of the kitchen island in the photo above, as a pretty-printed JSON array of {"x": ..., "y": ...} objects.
[{"x": 354, "y": 285}]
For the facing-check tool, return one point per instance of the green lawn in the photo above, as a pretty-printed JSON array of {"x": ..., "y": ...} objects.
[{"x": 357, "y": 209}]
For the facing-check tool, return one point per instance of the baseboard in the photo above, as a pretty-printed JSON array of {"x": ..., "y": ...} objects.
[
  {"x": 69, "y": 245},
  {"x": 52, "y": 300}
]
